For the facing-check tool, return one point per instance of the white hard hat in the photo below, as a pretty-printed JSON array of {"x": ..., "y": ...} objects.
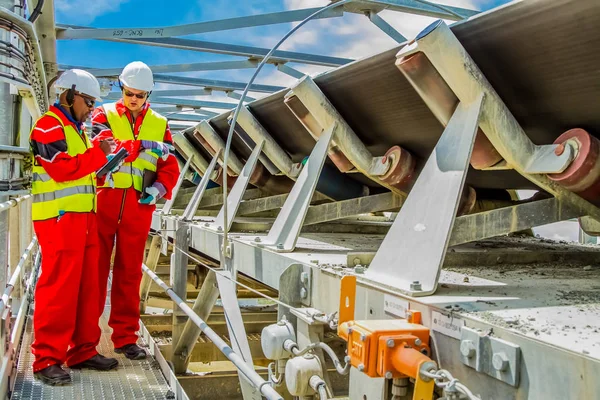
[
  {"x": 79, "y": 80},
  {"x": 137, "y": 75}
]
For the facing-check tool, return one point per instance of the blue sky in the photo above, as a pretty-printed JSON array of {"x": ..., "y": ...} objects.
[{"x": 351, "y": 36}]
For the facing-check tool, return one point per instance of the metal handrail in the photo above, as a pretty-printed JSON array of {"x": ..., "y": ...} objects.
[
  {"x": 10, "y": 286},
  {"x": 13, "y": 202},
  {"x": 255, "y": 379}
]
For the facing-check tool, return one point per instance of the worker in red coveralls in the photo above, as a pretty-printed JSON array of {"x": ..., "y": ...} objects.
[
  {"x": 125, "y": 205},
  {"x": 65, "y": 318}
]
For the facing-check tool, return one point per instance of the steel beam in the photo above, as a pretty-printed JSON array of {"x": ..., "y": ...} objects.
[
  {"x": 192, "y": 67},
  {"x": 185, "y": 117},
  {"x": 286, "y": 228},
  {"x": 235, "y": 50},
  {"x": 195, "y": 28},
  {"x": 385, "y": 27},
  {"x": 214, "y": 84},
  {"x": 349, "y": 208},
  {"x": 193, "y": 103},
  {"x": 151, "y": 263},
  {"x": 166, "y": 93},
  {"x": 188, "y": 151},
  {"x": 179, "y": 277},
  {"x": 192, "y": 207},
  {"x": 205, "y": 134},
  {"x": 422, "y": 230},
  {"x": 203, "y": 306},
  {"x": 290, "y": 71},
  {"x": 427, "y": 9},
  {"x": 238, "y": 96}
]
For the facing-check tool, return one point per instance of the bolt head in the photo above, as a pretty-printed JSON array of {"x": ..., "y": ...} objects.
[
  {"x": 350, "y": 330},
  {"x": 418, "y": 342},
  {"x": 390, "y": 343},
  {"x": 416, "y": 286},
  {"x": 219, "y": 228},
  {"x": 559, "y": 149},
  {"x": 304, "y": 277},
  {"x": 388, "y": 375},
  {"x": 359, "y": 269},
  {"x": 303, "y": 293},
  {"x": 257, "y": 239},
  {"x": 467, "y": 348},
  {"x": 500, "y": 361},
  {"x": 280, "y": 246},
  {"x": 361, "y": 367},
  {"x": 363, "y": 337}
]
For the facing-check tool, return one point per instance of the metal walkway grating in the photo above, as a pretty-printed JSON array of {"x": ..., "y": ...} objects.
[{"x": 137, "y": 380}]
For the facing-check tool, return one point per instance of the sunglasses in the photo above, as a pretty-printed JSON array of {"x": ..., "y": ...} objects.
[
  {"x": 88, "y": 102},
  {"x": 138, "y": 95}
]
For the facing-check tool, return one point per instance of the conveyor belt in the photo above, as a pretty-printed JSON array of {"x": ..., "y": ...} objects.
[
  {"x": 132, "y": 380},
  {"x": 540, "y": 55}
]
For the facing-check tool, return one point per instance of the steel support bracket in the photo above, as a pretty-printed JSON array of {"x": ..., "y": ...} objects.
[
  {"x": 295, "y": 289},
  {"x": 489, "y": 355},
  {"x": 235, "y": 197},
  {"x": 286, "y": 228},
  {"x": 192, "y": 206},
  {"x": 545, "y": 159},
  {"x": 169, "y": 203},
  {"x": 411, "y": 255}
]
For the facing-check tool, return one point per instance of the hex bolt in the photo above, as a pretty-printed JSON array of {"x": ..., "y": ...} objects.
[
  {"x": 500, "y": 361},
  {"x": 280, "y": 246},
  {"x": 303, "y": 293},
  {"x": 390, "y": 343},
  {"x": 467, "y": 348},
  {"x": 304, "y": 277},
  {"x": 206, "y": 224},
  {"x": 388, "y": 375},
  {"x": 363, "y": 337},
  {"x": 219, "y": 228},
  {"x": 359, "y": 269},
  {"x": 418, "y": 342},
  {"x": 350, "y": 330},
  {"x": 416, "y": 286},
  {"x": 257, "y": 239},
  {"x": 361, "y": 367}
]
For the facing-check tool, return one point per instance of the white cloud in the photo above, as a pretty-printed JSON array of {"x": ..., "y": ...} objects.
[{"x": 84, "y": 11}]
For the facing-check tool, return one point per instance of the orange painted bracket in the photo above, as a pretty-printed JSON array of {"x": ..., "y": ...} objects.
[{"x": 347, "y": 299}]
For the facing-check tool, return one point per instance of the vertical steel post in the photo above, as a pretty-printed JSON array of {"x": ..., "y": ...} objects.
[
  {"x": 179, "y": 265},
  {"x": 151, "y": 263}
]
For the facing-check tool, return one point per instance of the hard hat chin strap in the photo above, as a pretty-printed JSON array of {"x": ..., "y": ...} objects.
[{"x": 71, "y": 100}]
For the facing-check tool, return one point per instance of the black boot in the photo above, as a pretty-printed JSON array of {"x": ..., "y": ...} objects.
[
  {"x": 98, "y": 362},
  {"x": 132, "y": 351},
  {"x": 53, "y": 375}
]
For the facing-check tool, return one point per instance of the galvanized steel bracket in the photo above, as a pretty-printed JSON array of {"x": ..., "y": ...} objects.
[{"x": 492, "y": 356}]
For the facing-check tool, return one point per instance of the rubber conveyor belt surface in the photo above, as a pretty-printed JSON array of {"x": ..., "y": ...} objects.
[{"x": 540, "y": 56}]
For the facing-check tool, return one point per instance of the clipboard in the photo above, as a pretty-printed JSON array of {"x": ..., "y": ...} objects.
[
  {"x": 110, "y": 165},
  {"x": 147, "y": 180}
]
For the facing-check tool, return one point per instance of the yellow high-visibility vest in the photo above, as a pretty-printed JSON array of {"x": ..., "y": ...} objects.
[
  {"x": 51, "y": 198},
  {"x": 153, "y": 128}
]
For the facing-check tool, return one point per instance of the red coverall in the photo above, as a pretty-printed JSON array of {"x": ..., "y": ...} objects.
[
  {"x": 66, "y": 295},
  {"x": 121, "y": 216}
]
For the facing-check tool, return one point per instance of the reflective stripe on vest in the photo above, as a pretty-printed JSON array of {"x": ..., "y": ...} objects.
[
  {"x": 51, "y": 198},
  {"x": 62, "y": 193},
  {"x": 153, "y": 128}
]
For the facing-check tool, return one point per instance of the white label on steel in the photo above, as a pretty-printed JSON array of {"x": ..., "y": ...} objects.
[
  {"x": 395, "y": 306},
  {"x": 448, "y": 325}
]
